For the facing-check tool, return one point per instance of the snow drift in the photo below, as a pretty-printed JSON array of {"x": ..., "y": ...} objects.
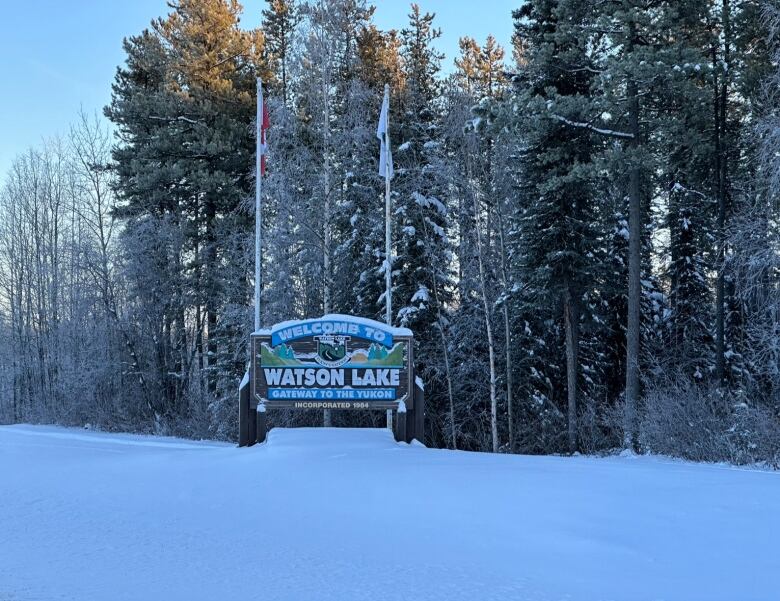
[{"x": 350, "y": 514}]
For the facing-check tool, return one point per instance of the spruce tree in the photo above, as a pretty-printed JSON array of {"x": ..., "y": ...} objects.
[
  {"x": 687, "y": 153},
  {"x": 634, "y": 59},
  {"x": 280, "y": 20},
  {"x": 558, "y": 212},
  {"x": 421, "y": 273}
]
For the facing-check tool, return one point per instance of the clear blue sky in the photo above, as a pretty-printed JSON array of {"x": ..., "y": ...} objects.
[{"x": 59, "y": 55}]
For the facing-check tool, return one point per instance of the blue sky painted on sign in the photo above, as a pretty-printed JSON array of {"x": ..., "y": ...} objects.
[{"x": 56, "y": 56}]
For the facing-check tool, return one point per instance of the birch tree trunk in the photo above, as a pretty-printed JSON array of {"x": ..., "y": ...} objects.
[
  {"x": 488, "y": 325},
  {"x": 507, "y": 329},
  {"x": 491, "y": 343}
]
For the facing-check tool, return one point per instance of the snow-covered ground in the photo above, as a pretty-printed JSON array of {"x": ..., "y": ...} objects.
[{"x": 350, "y": 515}]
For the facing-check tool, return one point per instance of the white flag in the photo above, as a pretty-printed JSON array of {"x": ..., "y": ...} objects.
[{"x": 385, "y": 156}]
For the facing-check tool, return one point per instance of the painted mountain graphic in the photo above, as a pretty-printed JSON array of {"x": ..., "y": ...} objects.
[
  {"x": 374, "y": 356},
  {"x": 378, "y": 356},
  {"x": 281, "y": 356}
]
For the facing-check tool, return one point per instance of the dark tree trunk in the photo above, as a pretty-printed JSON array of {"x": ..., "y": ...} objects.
[
  {"x": 721, "y": 118},
  {"x": 634, "y": 264},
  {"x": 572, "y": 319}
]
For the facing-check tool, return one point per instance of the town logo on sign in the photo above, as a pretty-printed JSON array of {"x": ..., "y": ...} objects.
[{"x": 331, "y": 350}]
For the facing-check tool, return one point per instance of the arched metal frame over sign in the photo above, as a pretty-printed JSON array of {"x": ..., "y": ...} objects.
[{"x": 334, "y": 362}]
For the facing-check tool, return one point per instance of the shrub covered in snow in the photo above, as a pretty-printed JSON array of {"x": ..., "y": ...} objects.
[{"x": 703, "y": 424}]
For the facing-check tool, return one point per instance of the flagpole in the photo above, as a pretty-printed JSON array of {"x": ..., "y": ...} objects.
[
  {"x": 258, "y": 203},
  {"x": 388, "y": 236},
  {"x": 388, "y": 224}
]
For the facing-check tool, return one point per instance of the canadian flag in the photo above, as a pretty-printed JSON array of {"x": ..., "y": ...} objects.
[{"x": 262, "y": 128}]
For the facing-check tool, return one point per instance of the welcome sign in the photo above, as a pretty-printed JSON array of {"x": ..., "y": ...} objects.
[{"x": 336, "y": 361}]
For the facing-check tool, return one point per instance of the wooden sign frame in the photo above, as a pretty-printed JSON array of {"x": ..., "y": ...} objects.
[
  {"x": 257, "y": 380},
  {"x": 253, "y": 392}
]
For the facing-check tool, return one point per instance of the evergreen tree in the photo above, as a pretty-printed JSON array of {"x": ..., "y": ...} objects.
[
  {"x": 183, "y": 104},
  {"x": 280, "y": 20},
  {"x": 684, "y": 109},
  {"x": 634, "y": 59},
  {"x": 421, "y": 273},
  {"x": 558, "y": 213}
]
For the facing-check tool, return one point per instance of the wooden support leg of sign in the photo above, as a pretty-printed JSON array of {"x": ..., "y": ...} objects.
[
  {"x": 252, "y": 426},
  {"x": 410, "y": 424},
  {"x": 262, "y": 425},
  {"x": 400, "y": 426},
  {"x": 419, "y": 414},
  {"x": 243, "y": 415}
]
